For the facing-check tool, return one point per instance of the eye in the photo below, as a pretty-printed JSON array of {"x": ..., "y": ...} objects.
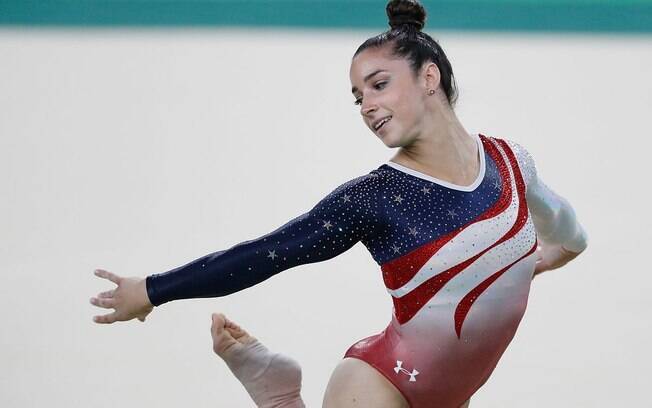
[{"x": 378, "y": 85}]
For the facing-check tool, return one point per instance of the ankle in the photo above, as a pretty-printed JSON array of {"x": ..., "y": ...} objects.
[{"x": 273, "y": 380}]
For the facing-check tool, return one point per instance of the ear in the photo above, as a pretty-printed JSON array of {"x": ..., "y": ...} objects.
[{"x": 430, "y": 75}]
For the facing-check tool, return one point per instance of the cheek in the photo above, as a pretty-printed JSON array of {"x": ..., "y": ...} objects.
[{"x": 408, "y": 112}]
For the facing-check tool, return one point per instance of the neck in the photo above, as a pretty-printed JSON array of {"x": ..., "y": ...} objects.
[{"x": 443, "y": 150}]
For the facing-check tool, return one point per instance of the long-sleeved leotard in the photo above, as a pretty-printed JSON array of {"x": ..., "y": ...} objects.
[{"x": 456, "y": 260}]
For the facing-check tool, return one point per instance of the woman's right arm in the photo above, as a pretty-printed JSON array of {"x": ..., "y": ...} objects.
[
  {"x": 331, "y": 227},
  {"x": 129, "y": 299}
]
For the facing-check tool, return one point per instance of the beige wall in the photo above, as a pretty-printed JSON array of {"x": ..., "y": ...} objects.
[{"x": 139, "y": 151}]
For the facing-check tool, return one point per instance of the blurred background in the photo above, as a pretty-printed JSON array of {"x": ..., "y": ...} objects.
[{"x": 136, "y": 136}]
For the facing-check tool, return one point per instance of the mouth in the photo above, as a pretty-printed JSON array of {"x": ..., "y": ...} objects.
[{"x": 378, "y": 125}]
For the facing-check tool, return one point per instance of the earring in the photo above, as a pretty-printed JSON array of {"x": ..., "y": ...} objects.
[{"x": 431, "y": 92}]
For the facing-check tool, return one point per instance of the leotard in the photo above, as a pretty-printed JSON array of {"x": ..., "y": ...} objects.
[{"x": 456, "y": 260}]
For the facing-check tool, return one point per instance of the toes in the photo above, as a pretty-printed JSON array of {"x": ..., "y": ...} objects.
[
  {"x": 217, "y": 327},
  {"x": 232, "y": 325},
  {"x": 222, "y": 326}
]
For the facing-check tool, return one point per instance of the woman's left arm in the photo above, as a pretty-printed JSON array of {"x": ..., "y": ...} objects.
[{"x": 560, "y": 235}]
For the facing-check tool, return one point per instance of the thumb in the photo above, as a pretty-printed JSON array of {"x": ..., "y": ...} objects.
[{"x": 539, "y": 252}]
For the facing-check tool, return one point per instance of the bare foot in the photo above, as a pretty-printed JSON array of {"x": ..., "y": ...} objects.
[
  {"x": 272, "y": 380},
  {"x": 228, "y": 337}
]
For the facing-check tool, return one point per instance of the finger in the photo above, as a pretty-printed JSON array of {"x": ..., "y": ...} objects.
[
  {"x": 108, "y": 275},
  {"x": 105, "y": 303},
  {"x": 540, "y": 267},
  {"x": 106, "y": 319},
  {"x": 107, "y": 294}
]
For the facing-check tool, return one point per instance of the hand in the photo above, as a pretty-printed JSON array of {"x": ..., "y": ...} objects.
[
  {"x": 129, "y": 299},
  {"x": 552, "y": 256}
]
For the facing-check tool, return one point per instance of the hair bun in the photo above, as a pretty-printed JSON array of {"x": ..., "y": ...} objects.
[{"x": 409, "y": 12}]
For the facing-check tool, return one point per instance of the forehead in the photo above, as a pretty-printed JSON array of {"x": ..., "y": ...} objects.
[{"x": 374, "y": 59}]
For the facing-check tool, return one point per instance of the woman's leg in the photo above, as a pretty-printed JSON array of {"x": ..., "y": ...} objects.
[
  {"x": 356, "y": 384},
  {"x": 273, "y": 380}
]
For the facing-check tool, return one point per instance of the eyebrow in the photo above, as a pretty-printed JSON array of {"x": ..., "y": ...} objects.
[{"x": 368, "y": 77}]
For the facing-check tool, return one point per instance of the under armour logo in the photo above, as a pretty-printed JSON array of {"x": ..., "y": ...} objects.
[{"x": 399, "y": 368}]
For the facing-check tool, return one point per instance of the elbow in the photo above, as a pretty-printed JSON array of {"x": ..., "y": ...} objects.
[{"x": 579, "y": 241}]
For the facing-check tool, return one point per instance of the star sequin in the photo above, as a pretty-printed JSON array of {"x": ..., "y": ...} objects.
[
  {"x": 395, "y": 248},
  {"x": 452, "y": 213},
  {"x": 272, "y": 254},
  {"x": 413, "y": 231},
  {"x": 497, "y": 185},
  {"x": 328, "y": 225},
  {"x": 346, "y": 198},
  {"x": 398, "y": 198},
  {"x": 425, "y": 190}
]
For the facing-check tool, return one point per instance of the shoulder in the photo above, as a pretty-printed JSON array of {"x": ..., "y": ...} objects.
[
  {"x": 524, "y": 159},
  {"x": 361, "y": 191},
  {"x": 366, "y": 182}
]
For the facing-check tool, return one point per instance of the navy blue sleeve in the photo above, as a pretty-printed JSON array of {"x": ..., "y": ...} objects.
[{"x": 333, "y": 226}]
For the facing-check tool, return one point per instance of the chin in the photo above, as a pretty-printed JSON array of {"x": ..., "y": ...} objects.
[{"x": 393, "y": 141}]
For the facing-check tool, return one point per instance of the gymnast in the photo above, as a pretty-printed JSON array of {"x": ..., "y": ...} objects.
[{"x": 459, "y": 224}]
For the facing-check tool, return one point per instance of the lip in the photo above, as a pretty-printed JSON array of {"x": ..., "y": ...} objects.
[
  {"x": 376, "y": 122},
  {"x": 383, "y": 128}
]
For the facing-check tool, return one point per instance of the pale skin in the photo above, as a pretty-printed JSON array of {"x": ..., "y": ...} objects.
[{"x": 430, "y": 139}]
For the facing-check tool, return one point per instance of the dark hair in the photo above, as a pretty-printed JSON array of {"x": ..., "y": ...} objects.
[{"x": 406, "y": 19}]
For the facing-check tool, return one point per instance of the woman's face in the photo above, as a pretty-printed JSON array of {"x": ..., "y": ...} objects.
[{"x": 384, "y": 87}]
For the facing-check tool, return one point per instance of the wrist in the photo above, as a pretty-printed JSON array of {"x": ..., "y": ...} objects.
[{"x": 142, "y": 285}]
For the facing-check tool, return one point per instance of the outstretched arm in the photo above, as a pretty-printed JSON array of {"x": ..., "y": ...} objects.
[{"x": 331, "y": 227}]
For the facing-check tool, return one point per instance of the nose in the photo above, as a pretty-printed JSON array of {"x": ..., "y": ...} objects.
[{"x": 367, "y": 108}]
